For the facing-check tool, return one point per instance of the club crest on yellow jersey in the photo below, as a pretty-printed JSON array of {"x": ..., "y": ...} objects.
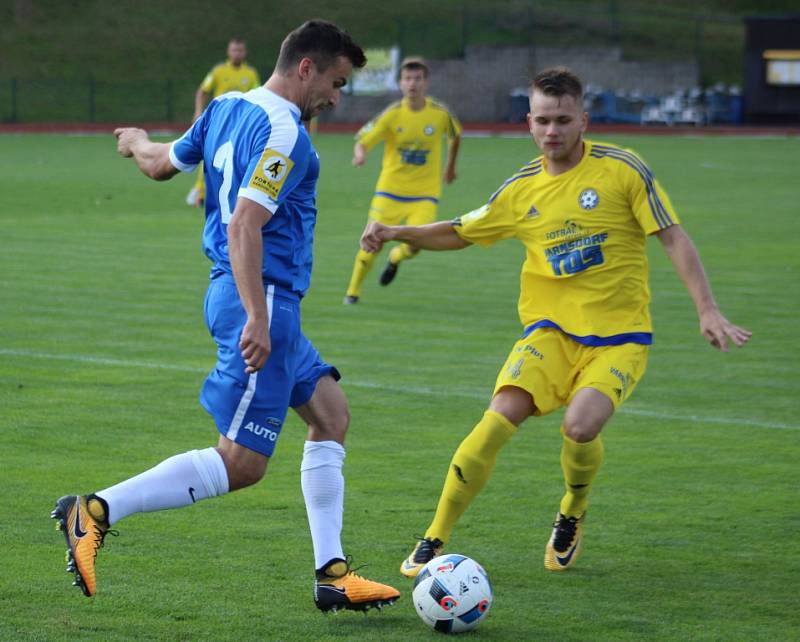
[{"x": 589, "y": 199}]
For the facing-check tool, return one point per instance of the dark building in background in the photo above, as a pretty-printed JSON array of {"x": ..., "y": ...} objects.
[{"x": 772, "y": 70}]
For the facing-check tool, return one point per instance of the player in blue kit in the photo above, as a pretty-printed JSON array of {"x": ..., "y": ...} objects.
[{"x": 261, "y": 172}]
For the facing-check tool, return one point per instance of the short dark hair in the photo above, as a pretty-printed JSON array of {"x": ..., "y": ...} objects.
[
  {"x": 323, "y": 42},
  {"x": 414, "y": 63},
  {"x": 557, "y": 81},
  {"x": 237, "y": 39}
]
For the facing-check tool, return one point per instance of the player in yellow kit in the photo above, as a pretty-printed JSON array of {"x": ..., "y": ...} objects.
[
  {"x": 232, "y": 75},
  {"x": 410, "y": 182},
  {"x": 584, "y": 211}
]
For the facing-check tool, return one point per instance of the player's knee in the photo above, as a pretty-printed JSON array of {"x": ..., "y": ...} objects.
[
  {"x": 581, "y": 429},
  {"x": 515, "y": 404},
  {"x": 241, "y": 475},
  {"x": 333, "y": 428},
  {"x": 244, "y": 467}
]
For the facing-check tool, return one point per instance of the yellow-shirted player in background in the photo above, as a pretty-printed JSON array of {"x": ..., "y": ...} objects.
[
  {"x": 410, "y": 182},
  {"x": 584, "y": 211},
  {"x": 232, "y": 75}
]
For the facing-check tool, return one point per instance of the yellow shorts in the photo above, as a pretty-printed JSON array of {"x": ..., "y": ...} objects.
[
  {"x": 552, "y": 368},
  {"x": 393, "y": 212}
]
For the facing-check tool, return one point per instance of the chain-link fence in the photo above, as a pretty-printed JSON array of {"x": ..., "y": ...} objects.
[
  {"x": 716, "y": 44},
  {"x": 95, "y": 100}
]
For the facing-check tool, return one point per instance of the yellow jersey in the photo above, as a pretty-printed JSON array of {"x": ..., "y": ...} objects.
[
  {"x": 224, "y": 77},
  {"x": 412, "y": 148},
  {"x": 585, "y": 271}
]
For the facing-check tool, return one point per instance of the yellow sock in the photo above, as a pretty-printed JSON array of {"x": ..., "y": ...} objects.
[
  {"x": 401, "y": 253},
  {"x": 580, "y": 463},
  {"x": 361, "y": 267},
  {"x": 470, "y": 469}
]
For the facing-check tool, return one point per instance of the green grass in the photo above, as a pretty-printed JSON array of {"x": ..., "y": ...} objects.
[{"x": 694, "y": 524}]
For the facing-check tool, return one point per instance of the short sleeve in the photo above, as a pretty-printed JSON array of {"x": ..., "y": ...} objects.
[
  {"x": 649, "y": 202},
  {"x": 493, "y": 222},
  {"x": 374, "y": 131},
  {"x": 453, "y": 126},
  {"x": 277, "y": 166},
  {"x": 207, "y": 86},
  {"x": 187, "y": 152}
]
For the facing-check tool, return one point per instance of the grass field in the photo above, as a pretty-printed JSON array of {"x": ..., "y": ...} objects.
[{"x": 694, "y": 523}]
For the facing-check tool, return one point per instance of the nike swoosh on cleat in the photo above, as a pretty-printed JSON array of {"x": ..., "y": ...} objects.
[
  {"x": 79, "y": 533},
  {"x": 565, "y": 560},
  {"x": 328, "y": 587}
]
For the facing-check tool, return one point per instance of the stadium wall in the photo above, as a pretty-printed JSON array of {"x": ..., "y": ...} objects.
[{"x": 478, "y": 87}]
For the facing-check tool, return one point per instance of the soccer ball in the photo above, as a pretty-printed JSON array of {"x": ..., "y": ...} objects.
[{"x": 452, "y": 593}]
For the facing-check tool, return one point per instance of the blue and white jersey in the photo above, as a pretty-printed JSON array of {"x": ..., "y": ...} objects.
[{"x": 253, "y": 146}]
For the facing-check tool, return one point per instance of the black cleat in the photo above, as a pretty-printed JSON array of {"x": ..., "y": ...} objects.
[
  {"x": 389, "y": 272},
  {"x": 350, "y": 300},
  {"x": 564, "y": 545},
  {"x": 425, "y": 550}
]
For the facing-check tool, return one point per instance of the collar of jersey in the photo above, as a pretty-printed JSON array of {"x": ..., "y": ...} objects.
[
  {"x": 587, "y": 147},
  {"x": 273, "y": 96}
]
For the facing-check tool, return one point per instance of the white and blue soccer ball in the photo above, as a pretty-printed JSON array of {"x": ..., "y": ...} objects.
[{"x": 452, "y": 593}]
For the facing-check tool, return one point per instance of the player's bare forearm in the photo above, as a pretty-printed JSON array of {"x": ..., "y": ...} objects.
[
  {"x": 684, "y": 256},
  {"x": 434, "y": 236},
  {"x": 452, "y": 154},
  {"x": 200, "y": 102},
  {"x": 152, "y": 158},
  {"x": 359, "y": 155},
  {"x": 246, "y": 251}
]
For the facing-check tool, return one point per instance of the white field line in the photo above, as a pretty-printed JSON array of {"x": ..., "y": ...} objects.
[{"x": 416, "y": 390}]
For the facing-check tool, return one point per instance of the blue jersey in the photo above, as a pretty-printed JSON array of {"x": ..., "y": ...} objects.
[{"x": 253, "y": 146}]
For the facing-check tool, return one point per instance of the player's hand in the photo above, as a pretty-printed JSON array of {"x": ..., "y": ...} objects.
[
  {"x": 359, "y": 155},
  {"x": 449, "y": 174},
  {"x": 255, "y": 345},
  {"x": 716, "y": 329},
  {"x": 127, "y": 137},
  {"x": 374, "y": 236}
]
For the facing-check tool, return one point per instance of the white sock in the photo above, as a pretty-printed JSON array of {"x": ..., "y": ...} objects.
[
  {"x": 178, "y": 481},
  {"x": 323, "y": 489}
]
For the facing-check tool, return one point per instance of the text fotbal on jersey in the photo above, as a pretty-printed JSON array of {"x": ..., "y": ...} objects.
[{"x": 271, "y": 172}]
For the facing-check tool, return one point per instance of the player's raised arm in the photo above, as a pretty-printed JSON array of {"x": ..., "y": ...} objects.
[
  {"x": 152, "y": 158},
  {"x": 713, "y": 326},
  {"x": 435, "y": 236}
]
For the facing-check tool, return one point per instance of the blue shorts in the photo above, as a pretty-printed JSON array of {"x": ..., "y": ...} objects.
[{"x": 251, "y": 409}]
